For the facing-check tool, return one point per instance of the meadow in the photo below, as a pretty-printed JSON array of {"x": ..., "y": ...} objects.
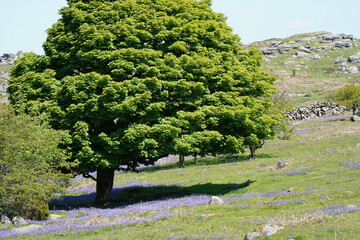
[{"x": 317, "y": 196}]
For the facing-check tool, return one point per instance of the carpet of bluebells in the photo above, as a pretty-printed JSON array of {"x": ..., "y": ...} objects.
[{"x": 81, "y": 220}]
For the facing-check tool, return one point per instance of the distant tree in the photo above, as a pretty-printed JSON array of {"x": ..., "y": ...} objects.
[
  {"x": 19, "y": 54},
  {"x": 348, "y": 96},
  {"x": 135, "y": 80},
  {"x": 29, "y": 165},
  {"x": 281, "y": 106}
]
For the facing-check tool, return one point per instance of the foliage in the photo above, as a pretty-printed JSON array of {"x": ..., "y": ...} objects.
[
  {"x": 282, "y": 105},
  {"x": 348, "y": 96},
  {"x": 29, "y": 158},
  {"x": 133, "y": 81}
]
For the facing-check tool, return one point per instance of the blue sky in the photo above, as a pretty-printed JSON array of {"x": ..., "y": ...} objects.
[{"x": 23, "y": 23}]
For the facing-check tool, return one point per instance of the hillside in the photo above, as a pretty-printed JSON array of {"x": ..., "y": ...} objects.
[
  {"x": 6, "y": 62},
  {"x": 311, "y": 65}
]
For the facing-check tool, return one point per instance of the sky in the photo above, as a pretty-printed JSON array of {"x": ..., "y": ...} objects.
[{"x": 23, "y": 23}]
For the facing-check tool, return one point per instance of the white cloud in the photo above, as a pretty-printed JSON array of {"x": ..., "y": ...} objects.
[{"x": 297, "y": 23}]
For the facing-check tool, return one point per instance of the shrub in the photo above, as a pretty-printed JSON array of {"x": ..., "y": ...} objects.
[
  {"x": 29, "y": 165},
  {"x": 349, "y": 96}
]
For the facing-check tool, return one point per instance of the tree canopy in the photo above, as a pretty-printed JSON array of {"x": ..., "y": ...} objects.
[{"x": 135, "y": 80}]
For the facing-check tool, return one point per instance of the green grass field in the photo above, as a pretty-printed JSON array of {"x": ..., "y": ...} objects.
[{"x": 317, "y": 196}]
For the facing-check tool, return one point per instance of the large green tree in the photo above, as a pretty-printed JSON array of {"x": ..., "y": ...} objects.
[{"x": 135, "y": 80}]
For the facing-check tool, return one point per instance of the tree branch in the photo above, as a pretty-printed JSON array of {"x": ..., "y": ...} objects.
[{"x": 86, "y": 175}]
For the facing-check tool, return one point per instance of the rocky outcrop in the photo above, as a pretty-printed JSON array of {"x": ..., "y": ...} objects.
[
  {"x": 3, "y": 87},
  {"x": 328, "y": 41},
  {"x": 269, "y": 51},
  {"x": 340, "y": 60},
  {"x": 315, "y": 57},
  {"x": 303, "y": 51},
  {"x": 331, "y": 38},
  {"x": 321, "y": 109},
  {"x": 346, "y": 68},
  {"x": 7, "y": 58},
  {"x": 343, "y": 44},
  {"x": 354, "y": 58}
]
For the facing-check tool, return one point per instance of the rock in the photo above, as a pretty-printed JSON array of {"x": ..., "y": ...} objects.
[
  {"x": 319, "y": 49},
  {"x": 349, "y": 37},
  {"x": 29, "y": 228},
  {"x": 353, "y": 69},
  {"x": 4, "y": 219},
  {"x": 343, "y": 44},
  {"x": 344, "y": 67},
  {"x": 304, "y": 49},
  {"x": 354, "y": 58},
  {"x": 7, "y": 58},
  {"x": 3, "y": 87},
  {"x": 330, "y": 38},
  {"x": 262, "y": 231},
  {"x": 340, "y": 60},
  {"x": 269, "y": 51},
  {"x": 291, "y": 189},
  {"x": 355, "y": 118},
  {"x": 266, "y": 61},
  {"x": 18, "y": 221},
  {"x": 276, "y": 43},
  {"x": 281, "y": 164},
  {"x": 54, "y": 216},
  {"x": 283, "y": 50},
  {"x": 215, "y": 201},
  {"x": 315, "y": 57},
  {"x": 300, "y": 54}
]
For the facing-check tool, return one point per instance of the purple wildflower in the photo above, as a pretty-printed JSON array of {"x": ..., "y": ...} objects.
[
  {"x": 295, "y": 172},
  {"x": 286, "y": 201},
  {"x": 204, "y": 236},
  {"x": 352, "y": 164}
]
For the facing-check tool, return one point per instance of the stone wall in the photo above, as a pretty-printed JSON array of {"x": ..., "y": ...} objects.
[{"x": 320, "y": 109}]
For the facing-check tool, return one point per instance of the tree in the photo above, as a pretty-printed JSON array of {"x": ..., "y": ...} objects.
[
  {"x": 349, "y": 96},
  {"x": 29, "y": 165},
  {"x": 135, "y": 80}
]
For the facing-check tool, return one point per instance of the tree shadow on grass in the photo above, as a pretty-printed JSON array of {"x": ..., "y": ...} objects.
[
  {"x": 136, "y": 194},
  {"x": 207, "y": 161}
]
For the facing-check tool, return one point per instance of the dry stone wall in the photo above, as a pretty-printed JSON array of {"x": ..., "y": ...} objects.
[{"x": 320, "y": 109}]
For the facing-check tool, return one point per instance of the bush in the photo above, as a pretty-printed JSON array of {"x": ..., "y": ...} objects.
[
  {"x": 29, "y": 165},
  {"x": 348, "y": 96},
  {"x": 282, "y": 105}
]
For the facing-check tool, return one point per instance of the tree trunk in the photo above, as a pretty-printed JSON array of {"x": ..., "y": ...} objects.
[
  {"x": 181, "y": 160},
  {"x": 252, "y": 152},
  {"x": 355, "y": 108},
  {"x": 104, "y": 185},
  {"x": 195, "y": 159}
]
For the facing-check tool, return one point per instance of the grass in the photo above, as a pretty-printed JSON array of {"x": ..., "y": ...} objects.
[{"x": 309, "y": 197}]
